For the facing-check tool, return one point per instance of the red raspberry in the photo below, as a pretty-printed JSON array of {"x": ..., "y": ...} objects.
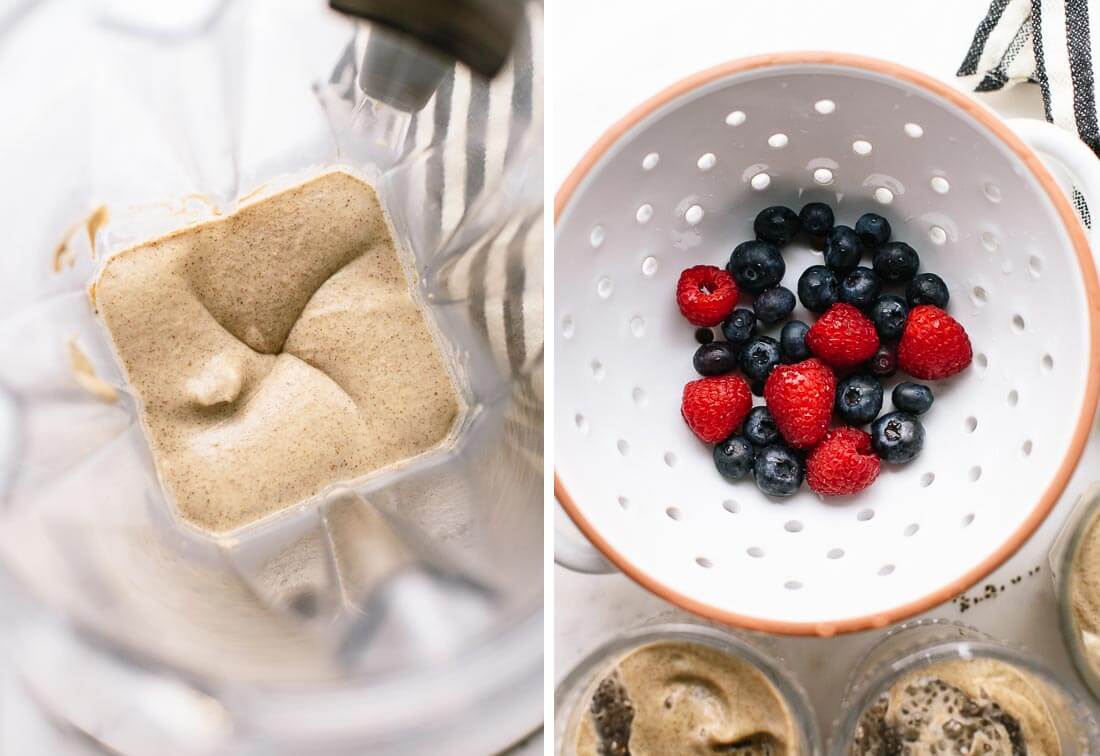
[
  {"x": 800, "y": 398},
  {"x": 933, "y": 345},
  {"x": 714, "y": 407},
  {"x": 706, "y": 295},
  {"x": 843, "y": 463},
  {"x": 843, "y": 337}
]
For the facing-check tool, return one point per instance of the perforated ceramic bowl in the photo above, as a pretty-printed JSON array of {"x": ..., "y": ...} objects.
[{"x": 678, "y": 183}]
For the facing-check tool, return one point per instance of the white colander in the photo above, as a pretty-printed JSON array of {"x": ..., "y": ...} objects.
[{"x": 678, "y": 183}]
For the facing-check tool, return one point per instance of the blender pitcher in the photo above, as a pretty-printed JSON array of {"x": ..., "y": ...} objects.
[{"x": 400, "y": 613}]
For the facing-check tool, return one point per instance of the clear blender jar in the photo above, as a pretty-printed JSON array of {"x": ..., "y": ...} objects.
[{"x": 398, "y": 615}]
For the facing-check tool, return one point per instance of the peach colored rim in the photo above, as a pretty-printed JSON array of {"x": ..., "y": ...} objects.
[{"x": 1092, "y": 292}]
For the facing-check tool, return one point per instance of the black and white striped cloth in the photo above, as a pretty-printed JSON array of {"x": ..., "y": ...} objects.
[{"x": 1049, "y": 43}]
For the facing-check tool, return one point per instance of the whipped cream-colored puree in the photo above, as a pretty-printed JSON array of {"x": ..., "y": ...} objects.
[
  {"x": 1084, "y": 590},
  {"x": 275, "y": 351}
]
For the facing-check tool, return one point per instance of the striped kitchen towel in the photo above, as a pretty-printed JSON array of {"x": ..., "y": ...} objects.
[{"x": 1044, "y": 42}]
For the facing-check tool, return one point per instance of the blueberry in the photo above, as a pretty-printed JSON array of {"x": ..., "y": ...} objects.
[
  {"x": 715, "y": 358},
  {"x": 704, "y": 335},
  {"x": 776, "y": 224},
  {"x": 873, "y": 230},
  {"x": 818, "y": 288},
  {"x": 734, "y": 457},
  {"x": 842, "y": 250},
  {"x": 858, "y": 399},
  {"x": 884, "y": 362},
  {"x": 756, "y": 265},
  {"x": 758, "y": 359},
  {"x": 895, "y": 262},
  {"x": 774, "y": 305},
  {"x": 816, "y": 219},
  {"x": 760, "y": 427},
  {"x": 927, "y": 288},
  {"x": 792, "y": 341},
  {"x": 914, "y": 398},
  {"x": 888, "y": 313},
  {"x": 740, "y": 326},
  {"x": 778, "y": 471},
  {"x": 897, "y": 437},
  {"x": 860, "y": 287}
]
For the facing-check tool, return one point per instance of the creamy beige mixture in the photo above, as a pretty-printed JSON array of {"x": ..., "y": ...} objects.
[
  {"x": 685, "y": 698},
  {"x": 982, "y": 706},
  {"x": 1084, "y": 582},
  {"x": 275, "y": 351}
]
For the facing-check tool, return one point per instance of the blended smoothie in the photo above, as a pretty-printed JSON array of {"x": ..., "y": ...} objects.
[
  {"x": 1084, "y": 591},
  {"x": 685, "y": 698},
  {"x": 275, "y": 351}
]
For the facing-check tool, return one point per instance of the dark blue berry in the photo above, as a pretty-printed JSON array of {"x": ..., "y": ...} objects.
[
  {"x": 792, "y": 341},
  {"x": 914, "y": 398},
  {"x": 704, "y": 335},
  {"x": 927, "y": 288},
  {"x": 872, "y": 230},
  {"x": 842, "y": 249},
  {"x": 888, "y": 313},
  {"x": 818, "y": 288},
  {"x": 758, "y": 359},
  {"x": 895, "y": 262},
  {"x": 778, "y": 471},
  {"x": 858, "y": 399},
  {"x": 884, "y": 362},
  {"x": 816, "y": 219},
  {"x": 897, "y": 437},
  {"x": 740, "y": 326},
  {"x": 760, "y": 427},
  {"x": 776, "y": 224},
  {"x": 756, "y": 266},
  {"x": 860, "y": 287},
  {"x": 774, "y": 305},
  {"x": 734, "y": 457},
  {"x": 715, "y": 358}
]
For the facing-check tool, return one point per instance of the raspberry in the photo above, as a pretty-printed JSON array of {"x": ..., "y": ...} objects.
[
  {"x": 706, "y": 295},
  {"x": 800, "y": 398},
  {"x": 842, "y": 464},
  {"x": 714, "y": 407},
  {"x": 933, "y": 345},
  {"x": 843, "y": 337}
]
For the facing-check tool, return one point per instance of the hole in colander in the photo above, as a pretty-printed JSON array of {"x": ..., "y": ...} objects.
[
  {"x": 596, "y": 237},
  {"x": 989, "y": 241},
  {"x": 645, "y": 212},
  {"x": 581, "y": 422},
  {"x": 693, "y": 215},
  {"x": 639, "y": 395},
  {"x": 940, "y": 185},
  {"x": 981, "y": 360},
  {"x": 604, "y": 287},
  {"x": 1035, "y": 265},
  {"x": 1047, "y": 362},
  {"x": 793, "y": 526},
  {"x": 674, "y": 513},
  {"x": 967, "y": 520},
  {"x": 731, "y": 506},
  {"x": 971, "y": 424},
  {"x": 914, "y": 130},
  {"x": 979, "y": 295},
  {"x": 834, "y": 553},
  {"x": 927, "y": 479},
  {"x": 886, "y": 569},
  {"x": 755, "y": 552},
  {"x": 992, "y": 192},
  {"x": 649, "y": 266},
  {"x": 975, "y": 473},
  {"x": 861, "y": 147},
  {"x": 792, "y": 585},
  {"x": 1027, "y": 448},
  {"x": 937, "y": 235},
  {"x": 637, "y": 326},
  {"x": 670, "y": 459},
  {"x": 823, "y": 176},
  {"x": 704, "y": 562},
  {"x": 910, "y": 530},
  {"x": 568, "y": 328},
  {"x": 865, "y": 515},
  {"x": 1018, "y": 323},
  {"x": 883, "y": 196},
  {"x": 761, "y": 181},
  {"x": 649, "y": 162},
  {"x": 706, "y": 161},
  {"x": 778, "y": 141},
  {"x": 597, "y": 370},
  {"x": 624, "y": 502},
  {"x": 622, "y": 446},
  {"x": 825, "y": 107},
  {"x": 735, "y": 118},
  {"x": 1013, "y": 398}
]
